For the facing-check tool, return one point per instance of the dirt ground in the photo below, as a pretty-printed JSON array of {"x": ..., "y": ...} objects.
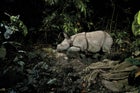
[{"x": 45, "y": 70}]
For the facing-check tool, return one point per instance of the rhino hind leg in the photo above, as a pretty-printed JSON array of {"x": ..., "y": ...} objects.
[
  {"x": 107, "y": 45},
  {"x": 106, "y": 49}
]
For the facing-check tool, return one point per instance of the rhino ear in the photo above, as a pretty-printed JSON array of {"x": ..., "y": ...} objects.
[{"x": 66, "y": 36}]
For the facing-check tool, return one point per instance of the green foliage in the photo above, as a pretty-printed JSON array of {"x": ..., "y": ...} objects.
[
  {"x": 136, "y": 31},
  {"x": 133, "y": 61},
  {"x": 15, "y": 25},
  {"x": 81, "y": 6},
  {"x": 65, "y": 15},
  {"x": 69, "y": 25},
  {"x": 119, "y": 38},
  {"x": 138, "y": 18},
  {"x": 136, "y": 24},
  {"x": 136, "y": 43},
  {"x": 18, "y": 25}
]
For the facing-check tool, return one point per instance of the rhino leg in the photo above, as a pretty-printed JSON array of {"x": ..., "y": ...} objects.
[
  {"x": 106, "y": 48},
  {"x": 73, "y": 52},
  {"x": 74, "y": 49},
  {"x": 107, "y": 44}
]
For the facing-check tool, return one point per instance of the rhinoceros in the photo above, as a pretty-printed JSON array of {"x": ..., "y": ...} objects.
[{"x": 87, "y": 42}]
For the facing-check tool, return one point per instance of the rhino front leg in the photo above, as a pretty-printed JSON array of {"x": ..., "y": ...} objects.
[
  {"x": 74, "y": 49},
  {"x": 73, "y": 52}
]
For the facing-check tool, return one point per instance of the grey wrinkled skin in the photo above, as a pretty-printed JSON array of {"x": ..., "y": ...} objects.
[{"x": 87, "y": 41}]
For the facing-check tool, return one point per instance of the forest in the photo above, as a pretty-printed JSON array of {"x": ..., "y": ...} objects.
[{"x": 32, "y": 31}]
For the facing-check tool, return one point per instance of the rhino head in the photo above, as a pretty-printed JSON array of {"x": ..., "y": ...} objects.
[{"x": 65, "y": 44}]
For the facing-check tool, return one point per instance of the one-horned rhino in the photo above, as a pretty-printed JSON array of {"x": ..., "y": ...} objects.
[{"x": 87, "y": 42}]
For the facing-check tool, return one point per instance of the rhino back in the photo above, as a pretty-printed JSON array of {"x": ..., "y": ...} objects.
[
  {"x": 95, "y": 40},
  {"x": 79, "y": 40}
]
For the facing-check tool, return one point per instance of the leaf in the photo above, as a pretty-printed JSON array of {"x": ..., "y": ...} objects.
[
  {"x": 81, "y": 6},
  {"x": 18, "y": 25},
  {"x": 52, "y": 81},
  {"x": 138, "y": 18},
  {"x": 136, "y": 24},
  {"x": 21, "y": 63}
]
